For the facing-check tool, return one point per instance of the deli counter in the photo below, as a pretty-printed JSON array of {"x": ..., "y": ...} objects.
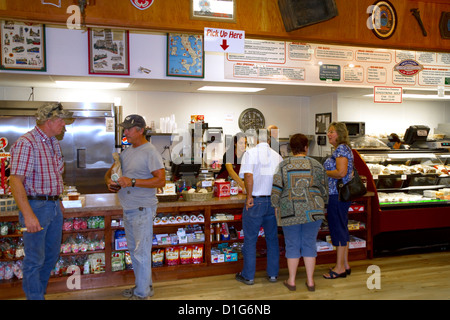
[{"x": 412, "y": 187}]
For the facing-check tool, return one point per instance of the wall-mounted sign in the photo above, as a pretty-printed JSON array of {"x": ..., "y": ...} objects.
[
  {"x": 408, "y": 67},
  {"x": 383, "y": 19},
  {"x": 382, "y": 94},
  {"x": 142, "y": 4},
  {"x": 223, "y": 40}
]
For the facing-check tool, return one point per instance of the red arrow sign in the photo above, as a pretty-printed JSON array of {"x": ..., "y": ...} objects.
[{"x": 224, "y": 45}]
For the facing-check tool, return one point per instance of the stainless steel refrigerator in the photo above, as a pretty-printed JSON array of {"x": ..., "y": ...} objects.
[{"x": 87, "y": 145}]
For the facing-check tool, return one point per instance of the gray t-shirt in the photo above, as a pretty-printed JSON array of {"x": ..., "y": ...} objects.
[{"x": 139, "y": 163}]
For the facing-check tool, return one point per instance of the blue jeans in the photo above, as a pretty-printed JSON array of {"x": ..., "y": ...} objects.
[
  {"x": 139, "y": 233},
  {"x": 41, "y": 248},
  {"x": 262, "y": 214}
]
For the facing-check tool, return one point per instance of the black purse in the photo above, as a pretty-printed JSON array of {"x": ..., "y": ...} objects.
[{"x": 353, "y": 189}]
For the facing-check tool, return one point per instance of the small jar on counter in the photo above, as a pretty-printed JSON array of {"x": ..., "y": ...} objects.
[{"x": 234, "y": 188}]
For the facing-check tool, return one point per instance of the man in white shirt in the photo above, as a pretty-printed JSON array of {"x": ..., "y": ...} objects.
[{"x": 257, "y": 168}]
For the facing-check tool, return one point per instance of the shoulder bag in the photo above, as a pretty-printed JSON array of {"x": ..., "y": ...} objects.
[{"x": 353, "y": 189}]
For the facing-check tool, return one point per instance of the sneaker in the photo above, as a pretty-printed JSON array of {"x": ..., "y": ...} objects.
[
  {"x": 240, "y": 278},
  {"x": 272, "y": 278},
  {"x": 129, "y": 293}
]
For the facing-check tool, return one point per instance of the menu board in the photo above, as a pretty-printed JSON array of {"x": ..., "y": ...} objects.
[{"x": 297, "y": 62}]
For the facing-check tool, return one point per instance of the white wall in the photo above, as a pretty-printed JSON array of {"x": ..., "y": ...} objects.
[
  {"x": 67, "y": 55},
  {"x": 386, "y": 118}
]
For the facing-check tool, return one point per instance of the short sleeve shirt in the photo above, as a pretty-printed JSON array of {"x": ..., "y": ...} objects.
[
  {"x": 261, "y": 161},
  {"x": 330, "y": 164},
  {"x": 39, "y": 159},
  {"x": 139, "y": 163}
]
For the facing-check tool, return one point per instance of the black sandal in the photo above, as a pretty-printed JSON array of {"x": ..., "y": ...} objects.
[{"x": 335, "y": 275}]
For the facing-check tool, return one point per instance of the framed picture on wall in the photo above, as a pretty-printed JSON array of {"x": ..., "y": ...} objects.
[
  {"x": 214, "y": 10},
  {"x": 109, "y": 52},
  {"x": 323, "y": 120},
  {"x": 185, "y": 55},
  {"x": 22, "y": 46}
]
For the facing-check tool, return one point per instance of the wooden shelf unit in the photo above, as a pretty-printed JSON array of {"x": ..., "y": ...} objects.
[{"x": 13, "y": 288}]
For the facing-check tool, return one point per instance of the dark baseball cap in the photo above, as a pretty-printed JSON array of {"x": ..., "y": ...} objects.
[{"x": 133, "y": 120}]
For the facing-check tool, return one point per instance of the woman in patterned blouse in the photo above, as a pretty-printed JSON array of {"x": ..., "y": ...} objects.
[
  {"x": 339, "y": 166},
  {"x": 299, "y": 195}
]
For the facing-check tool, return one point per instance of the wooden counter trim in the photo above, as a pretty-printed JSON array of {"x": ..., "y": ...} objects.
[{"x": 260, "y": 19}]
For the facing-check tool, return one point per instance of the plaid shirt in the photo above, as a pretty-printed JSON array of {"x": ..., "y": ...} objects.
[{"x": 39, "y": 159}]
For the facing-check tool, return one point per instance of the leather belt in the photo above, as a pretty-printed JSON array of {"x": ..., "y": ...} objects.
[
  {"x": 261, "y": 196},
  {"x": 43, "y": 198}
]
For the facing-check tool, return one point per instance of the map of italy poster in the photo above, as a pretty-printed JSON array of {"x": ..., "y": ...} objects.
[{"x": 185, "y": 55}]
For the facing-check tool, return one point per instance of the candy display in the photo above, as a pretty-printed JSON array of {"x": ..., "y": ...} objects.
[
  {"x": 6, "y": 270},
  {"x": 11, "y": 248},
  {"x": 82, "y": 243},
  {"x": 66, "y": 265},
  {"x": 9, "y": 228},
  {"x": 96, "y": 222}
]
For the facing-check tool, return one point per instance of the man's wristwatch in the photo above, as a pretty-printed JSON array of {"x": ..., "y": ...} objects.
[{"x": 133, "y": 182}]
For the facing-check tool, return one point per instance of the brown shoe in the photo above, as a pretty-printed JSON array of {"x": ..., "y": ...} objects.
[
  {"x": 310, "y": 288},
  {"x": 291, "y": 288}
]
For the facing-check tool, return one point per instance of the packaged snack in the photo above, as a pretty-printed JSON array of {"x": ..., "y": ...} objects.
[
  {"x": 172, "y": 256},
  {"x": 68, "y": 224},
  {"x": 128, "y": 263},
  {"x": 157, "y": 258},
  {"x": 4, "y": 229},
  {"x": 2, "y": 271},
  {"x": 97, "y": 262},
  {"x": 197, "y": 254},
  {"x": 86, "y": 267},
  {"x": 186, "y": 255},
  {"x": 117, "y": 261},
  {"x": 17, "y": 269},
  {"x": 20, "y": 251}
]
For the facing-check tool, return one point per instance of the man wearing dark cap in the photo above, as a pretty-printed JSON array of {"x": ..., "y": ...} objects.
[
  {"x": 36, "y": 183},
  {"x": 142, "y": 173}
]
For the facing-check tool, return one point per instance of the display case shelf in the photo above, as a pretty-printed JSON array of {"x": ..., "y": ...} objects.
[{"x": 400, "y": 204}]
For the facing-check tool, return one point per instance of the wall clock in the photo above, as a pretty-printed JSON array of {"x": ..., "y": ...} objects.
[{"x": 251, "y": 118}]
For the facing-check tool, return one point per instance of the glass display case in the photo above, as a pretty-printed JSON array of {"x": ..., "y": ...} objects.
[{"x": 405, "y": 178}]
